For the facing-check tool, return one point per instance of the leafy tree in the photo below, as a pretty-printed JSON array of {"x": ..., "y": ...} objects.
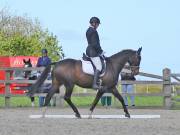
[{"x": 20, "y": 35}]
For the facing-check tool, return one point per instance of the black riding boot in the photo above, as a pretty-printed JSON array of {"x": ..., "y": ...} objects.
[{"x": 96, "y": 78}]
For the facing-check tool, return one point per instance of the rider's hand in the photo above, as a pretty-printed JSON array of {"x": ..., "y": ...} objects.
[{"x": 102, "y": 53}]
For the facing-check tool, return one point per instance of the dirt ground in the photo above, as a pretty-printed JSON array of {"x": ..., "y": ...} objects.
[{"x": 16, "y": 121}]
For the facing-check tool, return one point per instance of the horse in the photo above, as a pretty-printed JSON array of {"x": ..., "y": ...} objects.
[
  {"x": 68, "y": 72},
  {"x": 28, "y": 75}
]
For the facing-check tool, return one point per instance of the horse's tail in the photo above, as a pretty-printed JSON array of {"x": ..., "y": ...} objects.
[{"x": 33, "y": 89}]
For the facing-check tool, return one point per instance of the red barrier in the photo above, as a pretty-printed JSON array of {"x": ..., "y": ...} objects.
[{"x": 15, "y": 61}]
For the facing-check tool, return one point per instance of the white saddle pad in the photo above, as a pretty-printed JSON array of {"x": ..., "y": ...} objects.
[{"x": 87, "y": 67}]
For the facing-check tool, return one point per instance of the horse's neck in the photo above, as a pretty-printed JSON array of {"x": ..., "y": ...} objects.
[{"x": 119, "y": 62}]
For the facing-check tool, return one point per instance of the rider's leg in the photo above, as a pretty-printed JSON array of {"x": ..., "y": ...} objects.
[
  {"x": 97, "y": 62},
  {"x": 96, "y": 78}
]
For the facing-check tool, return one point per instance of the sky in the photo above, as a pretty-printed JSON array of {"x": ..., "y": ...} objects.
[{"x": 125, "y": 24}]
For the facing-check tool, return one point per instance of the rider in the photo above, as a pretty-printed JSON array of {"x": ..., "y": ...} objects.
[
  {"x": 94, "y": 49},
  {"x": 44, "y": 60}
]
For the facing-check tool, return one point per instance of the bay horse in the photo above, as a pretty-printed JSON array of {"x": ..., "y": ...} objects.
[{"x": 68, "y": 72}]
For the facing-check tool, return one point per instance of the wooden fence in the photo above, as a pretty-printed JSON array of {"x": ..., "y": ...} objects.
[{"x": 164, "y": 80}]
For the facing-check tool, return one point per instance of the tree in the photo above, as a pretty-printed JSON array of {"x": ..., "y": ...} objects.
[{"x": 20, "y": 35}]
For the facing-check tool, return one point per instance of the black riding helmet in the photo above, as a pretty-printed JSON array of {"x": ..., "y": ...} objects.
[
  {"x": 44, "y": 51},
  {"x": 94, "y": 20}
]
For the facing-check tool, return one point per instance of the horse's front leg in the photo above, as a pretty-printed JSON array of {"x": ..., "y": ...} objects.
[
  {"x": 98, "y": 96},
  {"x": 120, "y": 98}
]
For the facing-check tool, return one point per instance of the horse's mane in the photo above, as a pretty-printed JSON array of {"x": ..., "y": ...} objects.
[{"x": 122, "y": 53}]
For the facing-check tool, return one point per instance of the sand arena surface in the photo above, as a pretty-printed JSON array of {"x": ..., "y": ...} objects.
[{"x": 16, "y": 121}]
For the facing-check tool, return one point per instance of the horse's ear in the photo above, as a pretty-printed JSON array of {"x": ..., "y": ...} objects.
[
  {"x": 24, "y": 60},
  {"x": 139, "y": 51}
]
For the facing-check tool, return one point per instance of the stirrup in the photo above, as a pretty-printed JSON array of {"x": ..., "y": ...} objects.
[{"x": 96, "y": 86}]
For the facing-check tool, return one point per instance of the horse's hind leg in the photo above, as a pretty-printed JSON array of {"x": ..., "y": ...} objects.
[
  {"x": 98, "y": 96},
  {"x": 120, "y": 98},
  {"x": 67, "y": 97}
]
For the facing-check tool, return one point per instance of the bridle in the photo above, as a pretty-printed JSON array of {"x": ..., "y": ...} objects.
[{"x": 133, "y": 68}]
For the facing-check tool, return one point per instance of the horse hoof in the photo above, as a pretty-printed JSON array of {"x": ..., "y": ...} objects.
[
  {"x": 127, "y": 115},
  {"x": 78, "y": 116}
]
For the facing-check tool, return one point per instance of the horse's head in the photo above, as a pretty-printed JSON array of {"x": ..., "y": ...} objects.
[
  {"x": 27, "y": 64},
  {"x": 134, "y": 61}
]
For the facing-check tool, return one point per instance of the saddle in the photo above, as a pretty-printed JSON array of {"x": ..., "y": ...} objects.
[{"x": 88, "y": 66}]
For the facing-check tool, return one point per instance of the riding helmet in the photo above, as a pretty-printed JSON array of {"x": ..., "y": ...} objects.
[{"x": 44, "y": 51}]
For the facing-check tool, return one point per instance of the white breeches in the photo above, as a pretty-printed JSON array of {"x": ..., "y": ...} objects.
[{"x": 97, "y": 62}]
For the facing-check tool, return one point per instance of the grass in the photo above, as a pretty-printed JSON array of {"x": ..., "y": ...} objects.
[
  {"x": 18, "y": 102},
  {"x": 87, "y": 101},
  {"x": 84, "y": 101},
  {"x": 176, "y": 105}
]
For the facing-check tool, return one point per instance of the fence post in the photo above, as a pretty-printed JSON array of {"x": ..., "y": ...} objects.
[
  {"x": 7, "y": 89},
  {"x": 167, "y": 88}
]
